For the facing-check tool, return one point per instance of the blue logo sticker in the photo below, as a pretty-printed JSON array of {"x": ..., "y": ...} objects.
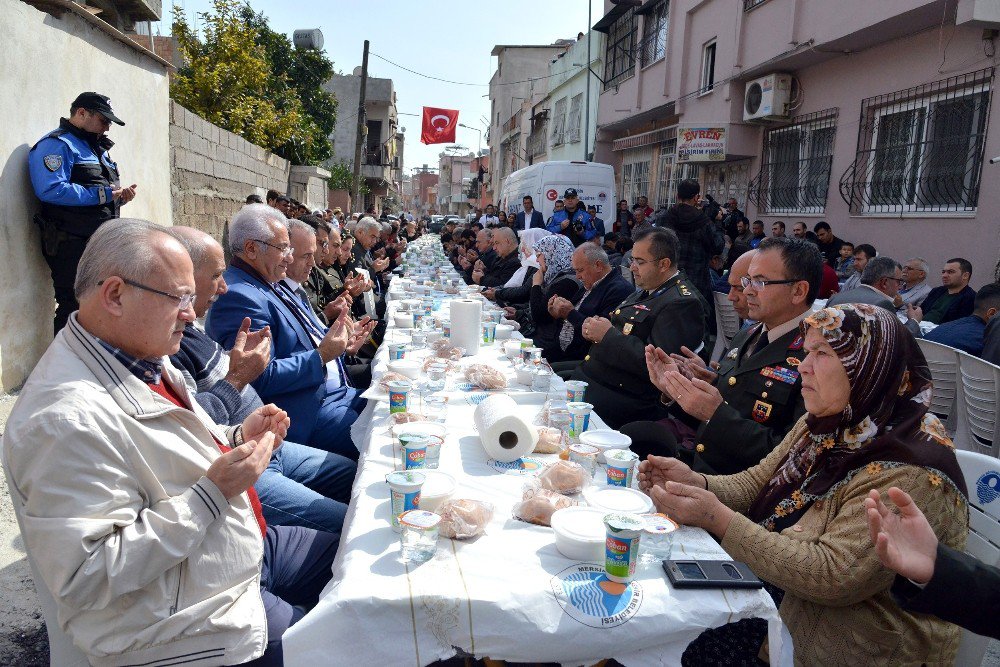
[
  {"x": 587, "y": 595},
  {"x": 988, "y": 487}
]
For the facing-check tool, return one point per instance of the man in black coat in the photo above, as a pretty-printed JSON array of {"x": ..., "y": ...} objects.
[
  {"x": 605, "y": 289},
  {"x": 529, "y": 213},
  {"x": 953, "y": 299},
  {"x": 699, "y": 237},
  {"x": 506, "y": 263}
]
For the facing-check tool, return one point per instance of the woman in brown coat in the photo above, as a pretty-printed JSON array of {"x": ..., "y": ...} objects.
[{"x": 798, "y": 518}]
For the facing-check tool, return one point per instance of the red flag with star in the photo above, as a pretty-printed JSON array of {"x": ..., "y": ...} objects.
[{"x": 439, "y": 126}]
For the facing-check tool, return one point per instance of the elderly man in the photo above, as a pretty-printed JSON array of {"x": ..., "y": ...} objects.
[
  {"x": 914, "y": 289},
  {"x": 604, "y": 290},
  {"x": 305, "y": 375},
  {"x": 367, "y": 233},
  {"x": 666, "y": 312},
  {"x": 138, "y": 510},
  {"x": 507, "y": 260},
  {"x": 726, "y": 421},
  {"x": 302, "y": 486},
  {"x": 482, "y": 257}
]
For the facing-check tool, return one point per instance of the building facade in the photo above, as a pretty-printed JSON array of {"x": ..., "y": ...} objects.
[
  {"x": 381, "y": 154},
  {"x": 881, "y": 121},
  {"x": 516, "y": 87},
  {"x": 454, "y": 178}
]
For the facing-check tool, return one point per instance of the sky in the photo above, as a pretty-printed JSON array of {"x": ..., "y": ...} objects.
[{"x": 448, "y": 39}]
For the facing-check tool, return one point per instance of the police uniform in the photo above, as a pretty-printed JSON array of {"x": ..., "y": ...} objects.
[
  {"x": 74, "y": 177},
  {"x": 763, "y": 400},
  {"x": 619, "y": 387}
]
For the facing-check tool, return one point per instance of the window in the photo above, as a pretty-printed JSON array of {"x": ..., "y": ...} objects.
[
  {"x": 559, "y": 123},
  {"x": 620, "y": 58},
  {"x": 921, "y": 149},
  {"x": 708, "y": 68},
  {"x": 750, "y": 4},
  {"x": 669, "y": 174},
  {"x": 795, "y": 169},
  {"x": 575, "y": 112},
  {"x": 654, "y": 35},
  {"x": 635, "y": 174}
]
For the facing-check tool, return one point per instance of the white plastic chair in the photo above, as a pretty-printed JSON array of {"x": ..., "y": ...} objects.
[
  {"x": 980, "y": 382},
  {"x": 982, "y": 478},
  {"x": 62, "y": 651},
  {"x": 727, "y": 324},
  {"x": 943, "y": 363}
]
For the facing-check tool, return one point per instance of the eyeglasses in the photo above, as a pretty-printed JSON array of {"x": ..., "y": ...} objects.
[
  {"x": 184, "y": 301},
  {"x": 324, "y": 245},
  {"x": 643, "y": 262},
  {"x": 283, "y": 249},
  {"x": 758, "y": 284}
]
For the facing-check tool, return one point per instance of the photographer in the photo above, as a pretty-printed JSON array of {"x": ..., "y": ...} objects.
[
  {"x": 731, "y": 217},
  {"x": 577, "y": 225}
]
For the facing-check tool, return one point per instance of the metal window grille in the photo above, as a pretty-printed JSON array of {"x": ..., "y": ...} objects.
[
  {"x": 921, "y": 149},
  {"x": 575, "y": 113},
  {"x": 635, "y": 174},
  {"x": 620, "y": 58},
  {"x": 537, "y": 140},
  {"x": 750, "y": 4},
  {"x": 654, "y": 35},
  {"x": 559, "y": 123},
  {"x": 795, "y": 168},
  {"x": 669, "y": 174}
]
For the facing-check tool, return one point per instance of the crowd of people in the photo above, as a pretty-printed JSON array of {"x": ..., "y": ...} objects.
[{"x": 182, "y": 459}]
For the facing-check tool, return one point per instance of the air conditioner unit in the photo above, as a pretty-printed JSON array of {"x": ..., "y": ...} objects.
[{"x": 766, "y": 99}]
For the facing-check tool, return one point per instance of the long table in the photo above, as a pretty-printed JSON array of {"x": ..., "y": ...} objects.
[{"x": 508, "y": 594}]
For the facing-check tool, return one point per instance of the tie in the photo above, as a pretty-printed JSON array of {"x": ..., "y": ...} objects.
[{"x": 761, "y": 343}]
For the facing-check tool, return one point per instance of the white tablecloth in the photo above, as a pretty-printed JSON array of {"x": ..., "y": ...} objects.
[{"x": 508, "y": 594}]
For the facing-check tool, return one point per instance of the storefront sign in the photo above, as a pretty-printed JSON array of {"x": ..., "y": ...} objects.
[{"x": 697, "y": 143}]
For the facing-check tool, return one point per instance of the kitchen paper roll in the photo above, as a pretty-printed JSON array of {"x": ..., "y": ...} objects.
[
  {"x": 466, "y": 324},
  {"x": 506, "y": 435}
]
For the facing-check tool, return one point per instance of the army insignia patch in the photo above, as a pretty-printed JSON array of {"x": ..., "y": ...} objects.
[
  {"x": 793, "y": 361},
  {"x": 761, "y": 411},
  {"x": 52, "y": 162},
  {"x": 797, "y": 343},
  {"x": 780, "y": 373},
  {"x": 627, "y": 329},
  {"x": 733, "y": 353}
]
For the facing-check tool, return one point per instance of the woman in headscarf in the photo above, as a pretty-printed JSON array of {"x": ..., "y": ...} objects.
[
  {"x": 798, "y": 518},
  {"x": 555, "y": 277},
  {"x": 515, "y": 292}
]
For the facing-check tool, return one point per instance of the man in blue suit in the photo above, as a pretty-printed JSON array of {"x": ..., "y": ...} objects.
[
  {"x": 528, "y": 218},
  {"x": 305, "y": 375}
]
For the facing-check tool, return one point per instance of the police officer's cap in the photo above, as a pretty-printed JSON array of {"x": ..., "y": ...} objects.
[
  {"x": 99, "y": 103},
  {"x": 570, "y": 192}
]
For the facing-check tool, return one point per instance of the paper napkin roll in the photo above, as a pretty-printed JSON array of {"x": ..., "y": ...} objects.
[
  {"x": 466, "y": 324},
  {"x": 506, "y": 435}
]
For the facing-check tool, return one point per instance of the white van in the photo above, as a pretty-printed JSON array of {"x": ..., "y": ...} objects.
[{"x": 547, "y": 181}]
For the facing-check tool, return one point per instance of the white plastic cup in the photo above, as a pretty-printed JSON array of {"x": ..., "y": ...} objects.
[
  {"x": 399, "y": 390},
  {"x": 580, "y": 412},
  {"x": 621, "y": 466},
  {"x": 575, "y": 390},
  {"x": 621, "y": 546},
  {"x": 489, "y": 332},
  {"x": 397, "y": 351},
  {"x": 414, "y": 450},
  {"x": 404, "y": 493}
]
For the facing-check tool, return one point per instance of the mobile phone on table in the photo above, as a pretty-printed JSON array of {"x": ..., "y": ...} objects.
[{"x": 710, "y": 574}]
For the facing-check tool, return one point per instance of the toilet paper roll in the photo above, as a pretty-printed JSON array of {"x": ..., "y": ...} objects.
[
  {"x": 506, "y": 435},
  {"x": 466, "y": 325}
]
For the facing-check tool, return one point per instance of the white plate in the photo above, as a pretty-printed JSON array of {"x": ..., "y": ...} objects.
[{"x": 618, "y": 499}]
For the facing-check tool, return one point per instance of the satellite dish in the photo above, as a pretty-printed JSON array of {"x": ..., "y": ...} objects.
[{"x": 308, "y": 38}]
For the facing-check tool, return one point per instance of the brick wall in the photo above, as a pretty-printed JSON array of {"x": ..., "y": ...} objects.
[{"x": 212, "y": 171}]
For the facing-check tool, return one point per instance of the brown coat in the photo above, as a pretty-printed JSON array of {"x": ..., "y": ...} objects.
[{"x": 837, "y": 604}]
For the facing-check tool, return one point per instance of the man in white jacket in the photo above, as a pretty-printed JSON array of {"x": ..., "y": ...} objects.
[{"x": 138, "y": 511}]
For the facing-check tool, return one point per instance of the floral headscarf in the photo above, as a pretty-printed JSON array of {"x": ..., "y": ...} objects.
[
  {"x": 558, "y": 253},
  {"x": 886, "y": 422}
]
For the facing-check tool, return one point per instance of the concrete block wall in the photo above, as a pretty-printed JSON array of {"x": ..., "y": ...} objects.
[{"x": 212, "y": 171}]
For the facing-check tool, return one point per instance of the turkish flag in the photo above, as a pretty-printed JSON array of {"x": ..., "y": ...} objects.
[{"x": 439, "y": 126}]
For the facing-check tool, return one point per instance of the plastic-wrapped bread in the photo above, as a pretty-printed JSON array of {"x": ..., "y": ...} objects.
[
  {"x": 537, "y": 505},
  {"x": 549, "y": 441},
  {"x": 485, "y": 376},
  {"x": 564, "y": 477},
  {"x": 432, "y": 361},
  {"x": 463, "y": 518},
  {"x": 453, "y": 353},
  {"x": 406, "y": 417}
]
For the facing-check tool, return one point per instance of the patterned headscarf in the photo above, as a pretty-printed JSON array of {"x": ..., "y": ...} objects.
[
  {"x": 558, "y": 253},
  {"x": 886, "y": 423},
  {"x": 528, "y": 239}
]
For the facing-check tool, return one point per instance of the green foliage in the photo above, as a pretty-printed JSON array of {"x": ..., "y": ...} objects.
[
  {"x": 248, "y": 79},
  {"x": 341, "y": 176}
]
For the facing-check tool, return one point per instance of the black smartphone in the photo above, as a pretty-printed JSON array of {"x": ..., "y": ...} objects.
[{"x": 710, "y": 574}]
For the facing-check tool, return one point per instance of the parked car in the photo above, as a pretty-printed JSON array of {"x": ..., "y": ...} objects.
[{"x": 436, "y": 224}]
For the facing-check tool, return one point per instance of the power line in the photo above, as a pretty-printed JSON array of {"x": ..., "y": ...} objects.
[{"x": 464, "y": 83}]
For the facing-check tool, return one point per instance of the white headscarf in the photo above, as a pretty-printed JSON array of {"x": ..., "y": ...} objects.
[{"x": 528, "y": 239}]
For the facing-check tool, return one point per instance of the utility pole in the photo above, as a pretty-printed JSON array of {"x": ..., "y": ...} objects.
[
  {"x": 586, "y": 103},
  {"x": 362, "y": 127}
]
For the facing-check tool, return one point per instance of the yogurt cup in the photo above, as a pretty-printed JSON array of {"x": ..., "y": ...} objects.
[
  {"x": 398, "y": 392},
  {"x": 414, "y": 450},
  {"x": 489, "y": 332},
  {"x": 580, "y": 412},
  {"x": 621, "y": 546},
  {"x": 404, "y": 493},
  {"x": 621, "y": 466},
  {"x": 575, "y": 390},
  {"x": 397, "y": 351}
]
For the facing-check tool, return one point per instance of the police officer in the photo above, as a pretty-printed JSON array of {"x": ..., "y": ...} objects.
[
  {"x": 575, "y": 223},
  {"x": 78, "y": 185},
  {"x": 725, "y": 422},
  {"x": 666, "y": 312}
]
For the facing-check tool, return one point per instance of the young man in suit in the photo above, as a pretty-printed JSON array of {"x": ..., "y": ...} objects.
[{"x": 528, "y": 218}]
